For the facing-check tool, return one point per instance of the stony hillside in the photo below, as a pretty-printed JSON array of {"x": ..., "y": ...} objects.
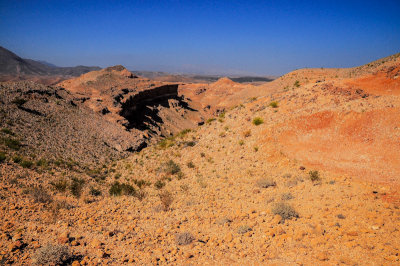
[
  {"x": 14, "y": 68},
  {"x": 302, "y": 171}
]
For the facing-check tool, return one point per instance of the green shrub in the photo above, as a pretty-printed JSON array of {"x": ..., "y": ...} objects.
[
  {"x": 296, "y": 84},
  {"x": 26, "y": 164},
  {"x": 258, "y": 121},
  {"x": 7, "y": 131},
  {"x": 118, "y": 189},
  {"x": 141, "y": 183},
  {"x": 183, "y": 133},
  {"x": 171, "y": 167},
  {"x": 76, "y": 186},
  {"x": 241, "y": 142},
  {"x": 314, "y": 175},
  {"x": 159, "y": 184},
  {"x": 190, "y": 164},
  {"x": 2, "y": 157},
  {"x": 95, "y": 192},
  {"x": 273, "y": 104},
  {"x": 210, "y": 120},
  {"x": 60, "y": 185},
  {"x": 286, "y": 211},
  {"x": 42, "y": 163},
  {"x": 12, "y": 143},
  {"x": 17, "y": 158},
  {"x": 166, "y": 143}
]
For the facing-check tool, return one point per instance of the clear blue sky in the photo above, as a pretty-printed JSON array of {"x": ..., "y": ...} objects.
[{"x": 259, "y": 37}]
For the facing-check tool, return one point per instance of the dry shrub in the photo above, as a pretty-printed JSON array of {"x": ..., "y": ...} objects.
[
  {"x": 40, "y": 195},
  {"x": 286, "y": 211},
  {"x": 265, "y": 183},
  {"x": 166, "y": 200},
  {"x": 184, "y": 238},
  {"x": 52, "y": 255}
]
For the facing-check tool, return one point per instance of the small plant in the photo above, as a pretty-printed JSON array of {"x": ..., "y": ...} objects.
[
  {"x": 244, "y": 229},
  {"x": 40, "y": 195},
  {"x": 26, "y": 164},
  {"x": 159, "y": 184},
  {"x": 189, "y": 143},
  {"x": 202, "y": 154},
  {"x": 52, "y": 255},
  {"x": 256, "y": 149},
  {"x": 95, "y": 192},
  {"x": 76, "y": 186},
  {"x": 171, "y": 167},
  {"x": 17, "y": 158},
  {"x": 247, "y": 133},
  {"x": 184, "y": 238},
  {"x": 273, "y": 104},
  {"x": 60, "y": 185},
  {"x": 210, "y": 120},
  {"x": 166, "y": 143},
  {"x": 222, "y": 115},
  {"x": 19, "y": 101},
  {"x": 287, "y": 196},
  {"x": 258, "y": 121},
  {"x": 183, "y": 133},
  {"x": 314, "y": 175},
  {"x": 118, "y": 189},
  {"x": 166, "y": 200},
  {"x": 296, "y": 84},
  {"x": 2, "y": 157},
  {"x": 12, "y": 143},
  {"x": 42, "y": 163},
  {"x": 7, "y": 131},
  {"x": 184, "y": 188},
  {"x": 190, "y": 164},
  {"x": 141, "y": 183},
  {"x": 241, "y": 142},
  {"x": 286, "y": 211},
  {"x": 265, "y": 183}
]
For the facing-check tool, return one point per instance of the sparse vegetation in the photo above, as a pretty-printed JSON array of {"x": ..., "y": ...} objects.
[
  {"x": 286, "y": 211},
  {"x": 95, "y": 192},
  {"x": 247, "y": 133},
  {"x": 241, "y": 142},
  {"x": 26, "y": 164},
  {"x": 265, "y": 183},
  {"x": 166, "y": 143},
  {"x": 171, "y": 168},
  {"x": 210, "y": 120},
  {"x": 11, "y": 143},
  {"x": 314, "y": 176},
  {"x": 60, "y": 185},
  {"x": 40, "y": 195},
  {"x": 184, "y": 238},
  {"x": 7, "y": 131},
  {"x": 52, "y": 255},
  {"x": 166, "y": 200},
  {"x": 296, "y": 84},
  {"x": 19, "y": 101},
  {"x": 2, "y": 157},
  {"x": 159, "y": 184},
  {"x": 141, "y": 183},
  {"x": 273, "y": 104},
  {"x": 118, "y": 189},
  {"x": 258, "y": 121},
  {"x": 256, "y": 148},
  {"x": 76, "y": 186},
  {"x": 287, "y": 196}
]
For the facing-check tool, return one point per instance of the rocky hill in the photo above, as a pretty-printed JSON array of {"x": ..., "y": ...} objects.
[
  {"x": 13, "y": 67},
  {"x": 302, "y": 170}
]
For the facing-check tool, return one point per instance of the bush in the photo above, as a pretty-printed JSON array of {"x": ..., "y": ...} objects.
[
  {"x": 52, "y": 255},
  {"x": 118, "y": 189},
  {"x": 190, "y": 164},
  {"x": 7, "y": 131},
  {"x": 265, "y": 183},
  {"x": 210, "y": 120},
  {"x": 159, "y": 184},
  {"x": 166, "y": 143},
  {"x": 42, "y": 163},
  {"x": 184, "y": 238},
  {"x": 26, "y": 164},
  {"x": 2, "y": 157},
  {"x": 296, "y": 84},
  {"x": 314, "y": 175},
  {"x": 141, "y": 183},
  {"x": 273, "y": 104},
  {"x": 241, "y": 142},
  {"x": 171, "y": 167},
  {"x": 95, "y": 192},
  {"x": 166, "y": 200},
  {"x": 258, "y": 121},
  {"x": 60, "y": 185},
  {"x": 76, "y": 186},
  {"x": 287, "y": 196},
  {"x": 286, "y": 211},
  {"x": 183, "y": 133},
  {"x": 12, "y": 143},
  {"x": 40, "y": 195},
  {"x": 17, "y": 158}
]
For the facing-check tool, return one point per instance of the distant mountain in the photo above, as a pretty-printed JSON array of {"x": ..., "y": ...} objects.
[{"x": 13, "y": 65}]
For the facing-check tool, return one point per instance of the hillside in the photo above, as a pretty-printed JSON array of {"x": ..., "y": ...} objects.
[
  {"x": 13, "y": 67},
  {"x": 300, "y": 170}
]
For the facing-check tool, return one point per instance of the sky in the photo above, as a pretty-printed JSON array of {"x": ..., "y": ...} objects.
[{"x": 206, "y": 37}]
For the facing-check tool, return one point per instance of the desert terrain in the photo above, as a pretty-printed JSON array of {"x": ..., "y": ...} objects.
[{"x": 111, "y": 167}]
